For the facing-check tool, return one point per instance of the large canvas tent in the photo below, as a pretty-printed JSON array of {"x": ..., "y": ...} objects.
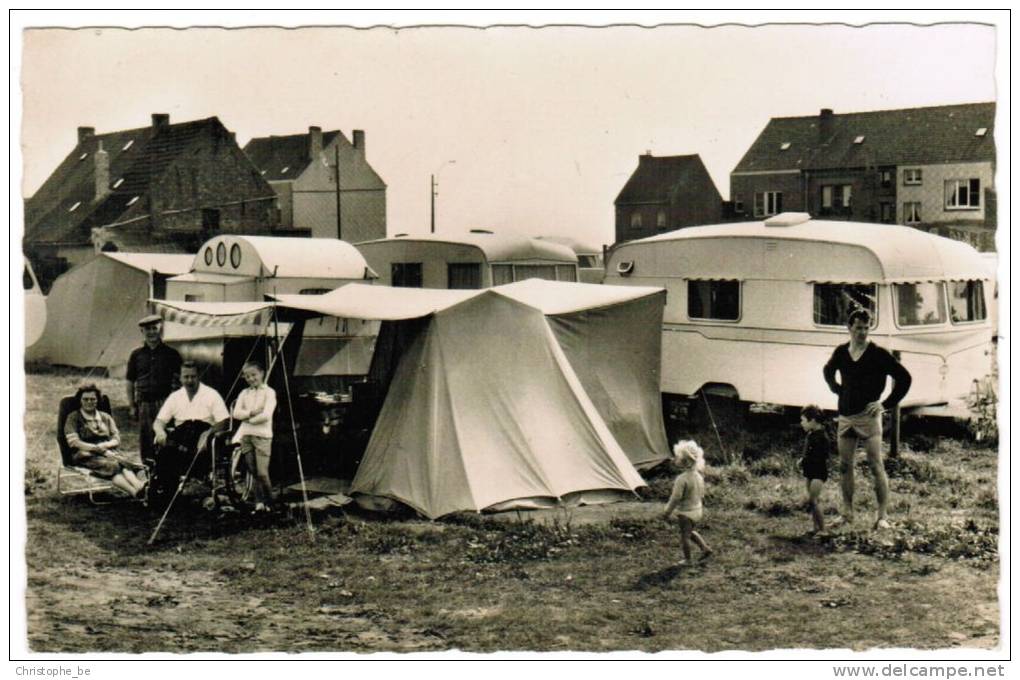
[
  {"x": 93, "y": 309},
  {"x": 484, "y": 407}
]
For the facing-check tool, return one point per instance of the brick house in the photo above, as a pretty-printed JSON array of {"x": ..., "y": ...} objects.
[
  {"x": 302, "y": 169},
  {"x": 932, "y": 168},
  {"x": 163, "y": 188},
  {"x": 666, "y": 193}
]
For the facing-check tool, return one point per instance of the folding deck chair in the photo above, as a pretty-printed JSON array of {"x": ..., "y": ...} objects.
[{"x": 73, "y": 480}]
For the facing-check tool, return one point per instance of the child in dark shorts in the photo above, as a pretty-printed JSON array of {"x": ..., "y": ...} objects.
[{"x": 815, "y": 463}]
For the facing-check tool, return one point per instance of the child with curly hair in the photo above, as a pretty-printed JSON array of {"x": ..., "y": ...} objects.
[{"x": 688, "y": 491}]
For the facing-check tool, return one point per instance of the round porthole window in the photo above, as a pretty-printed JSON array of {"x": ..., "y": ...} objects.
[
  {"x": 208, "y": 256},
  {"x": 235, "y": 255},
  {"x": 221, "y": 254}
]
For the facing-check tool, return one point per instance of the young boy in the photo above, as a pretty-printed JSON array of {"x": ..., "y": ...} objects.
[
  {"x": 815, "y": 463},
  {"x": 254, "y": 408}
]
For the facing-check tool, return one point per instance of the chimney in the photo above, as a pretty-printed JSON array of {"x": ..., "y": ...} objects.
[
  {"x": 645, "y": 157},
  {"x": 160, "y": 121},
  {"x": 102, "y": 173},
  {"x": 359, "y": 141},
  {"x": 314, "y": 142},
  {"x": 85, "y": 134},
  {"x": 825, "y": 125}
]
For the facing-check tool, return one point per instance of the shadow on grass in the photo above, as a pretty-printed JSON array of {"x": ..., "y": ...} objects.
[
  {"x": 125, "y": 527},
  {"x": 664, "y": 577}
]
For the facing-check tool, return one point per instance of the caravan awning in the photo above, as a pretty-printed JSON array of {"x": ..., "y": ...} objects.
[
  {"x": 377, "y": 303},
  {"x": 213, "y": 314}
]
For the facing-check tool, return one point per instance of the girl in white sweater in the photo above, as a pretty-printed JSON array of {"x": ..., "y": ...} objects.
[{"x": 254, "y": 408}]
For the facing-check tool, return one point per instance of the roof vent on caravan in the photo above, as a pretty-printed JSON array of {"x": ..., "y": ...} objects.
[
  {"x": 480, "y": 231},
  {"x": 788, "y": 219},
  {"x": 625, "y": 268}
]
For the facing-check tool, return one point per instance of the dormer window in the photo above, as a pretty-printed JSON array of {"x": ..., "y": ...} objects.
[
  {"x": 859, "y": 139},
  {"x": 285, "y": 169},
  {"x": 981, "y": 132},
  {"x": 128, "y": 145},
  {"x": 74, "y": 207},
  {"x": 83, "y": 156},
  {"x": 133, "y": 201},
  {"x": 784, "y": 146},
  {"x": 118, "y": 182}
]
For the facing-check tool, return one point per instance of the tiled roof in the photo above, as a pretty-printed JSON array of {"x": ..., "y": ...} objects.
[
  {"x": 657, "y": 178},
  {"x": 922, "y": 136},
  {"x": 286, "y": 157},
  {"x": 136, "y": 158}
]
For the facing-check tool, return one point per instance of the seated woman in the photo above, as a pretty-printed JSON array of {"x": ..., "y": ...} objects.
[{"x": 94, "y": 437}]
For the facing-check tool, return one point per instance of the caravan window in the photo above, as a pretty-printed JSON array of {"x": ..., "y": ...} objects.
[
  {"x": 920, "y": 304},
  {"x": 534, "y": 271},
  {"x": 502, "y": 273},
  {"x": 967, "y": 301},
  {"x": 587, "y": 262},
  {"x": 406, "y": 274},
  {"x": 716, "y": 300},
  {"x": 834, "y": 301},
  {"x": 464, "y": 276},
  {"x": 566, "y": 272}
]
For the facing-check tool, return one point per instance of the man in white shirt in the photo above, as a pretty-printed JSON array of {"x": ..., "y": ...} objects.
[{"x": 193, "y": 401}]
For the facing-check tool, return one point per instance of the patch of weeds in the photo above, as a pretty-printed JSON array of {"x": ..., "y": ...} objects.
[
  {"x": 922, "y": 443},
  {"x": 727, "y": 475},
  {"x": 773, "y": 466},
  {"x": 385, "y": 542},
  {"x": 957, "y": 541},
  {"x": 916, "y": 469},
  {"x": 988, "y": 499},
  {"x": 776, "y": 507},
  {"x": 521, "y": 542}
]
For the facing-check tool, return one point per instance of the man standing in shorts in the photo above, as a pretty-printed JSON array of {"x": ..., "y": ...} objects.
[
  {"x": 152, "y": 374},
  {"x": 863, "y": 368}
]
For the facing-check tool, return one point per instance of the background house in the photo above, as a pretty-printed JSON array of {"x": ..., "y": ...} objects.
[
  {"x": 932, "y": 168},
  {"x": 666, "y": 193},
  {"x": 163, "y": 188},
  {"x": 302, "y": 169}
]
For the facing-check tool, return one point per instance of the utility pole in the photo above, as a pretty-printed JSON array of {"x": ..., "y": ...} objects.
[
  {"x": 432, "y": 194},
  {"x": 339, "y": 224}
]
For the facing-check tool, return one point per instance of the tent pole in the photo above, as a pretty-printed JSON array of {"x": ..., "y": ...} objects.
[{"x": 293, "y": 426}]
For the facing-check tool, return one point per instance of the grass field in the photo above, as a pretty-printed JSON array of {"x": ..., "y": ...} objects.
[{"x": 590, "y": 579}]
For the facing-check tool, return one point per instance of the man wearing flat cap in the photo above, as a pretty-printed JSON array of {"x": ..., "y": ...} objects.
[{"x": 153, "y": 371}]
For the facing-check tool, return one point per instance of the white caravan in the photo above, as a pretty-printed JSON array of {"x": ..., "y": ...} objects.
[{"x": 754, "y": 309}]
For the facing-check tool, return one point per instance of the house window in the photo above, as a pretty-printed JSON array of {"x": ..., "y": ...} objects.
[
  {"x": 635, "y": 220},
  {"x": 566, "y": 272},
  {"x": 836, "y": 198},
  {"x": 920, "y": 304},
  {"x": 912, "y": 212},
  {"x": 211, "y": 220},
  {"x": 768, "y": 203},
  {"x": 502, "y": 273},
  {"x": 588, "y": 262},
  {"x": 888, "y": 212},
  {"x": 833, "y": 302},
  {"x": 967, "y": 301},
  {"x": 886, "y": 178},
  {"x": 534, "y": 271},
  {"x": 738, "y": 207},
  {"x": 406, "y": 274},
  {"x": 963, "y": 194},
  {"x": 660, "y": 219},
  {"x": 464, "y": 276},
  {"x": 193, "y": 297},
  {"x": 912, "y": 176},
  {"x": 716, "y": 300}
]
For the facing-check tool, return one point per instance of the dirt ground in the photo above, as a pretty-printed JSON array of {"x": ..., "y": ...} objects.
[{"x": 593, "y": 579}]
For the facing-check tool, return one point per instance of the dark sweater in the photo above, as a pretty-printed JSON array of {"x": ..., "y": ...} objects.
[{"x": 863, "y": 381}]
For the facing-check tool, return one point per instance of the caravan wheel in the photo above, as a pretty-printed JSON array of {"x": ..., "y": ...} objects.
[{"x": 240, "y": 479}]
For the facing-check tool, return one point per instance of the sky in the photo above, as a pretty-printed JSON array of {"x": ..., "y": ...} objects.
[{"x": 544, "y": 125}]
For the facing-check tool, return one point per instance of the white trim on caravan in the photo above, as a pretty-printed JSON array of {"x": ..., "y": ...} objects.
[{"x": 756, "y": 308}]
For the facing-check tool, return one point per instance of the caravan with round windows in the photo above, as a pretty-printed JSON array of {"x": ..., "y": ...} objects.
[{"x": 754, "y": 309}]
